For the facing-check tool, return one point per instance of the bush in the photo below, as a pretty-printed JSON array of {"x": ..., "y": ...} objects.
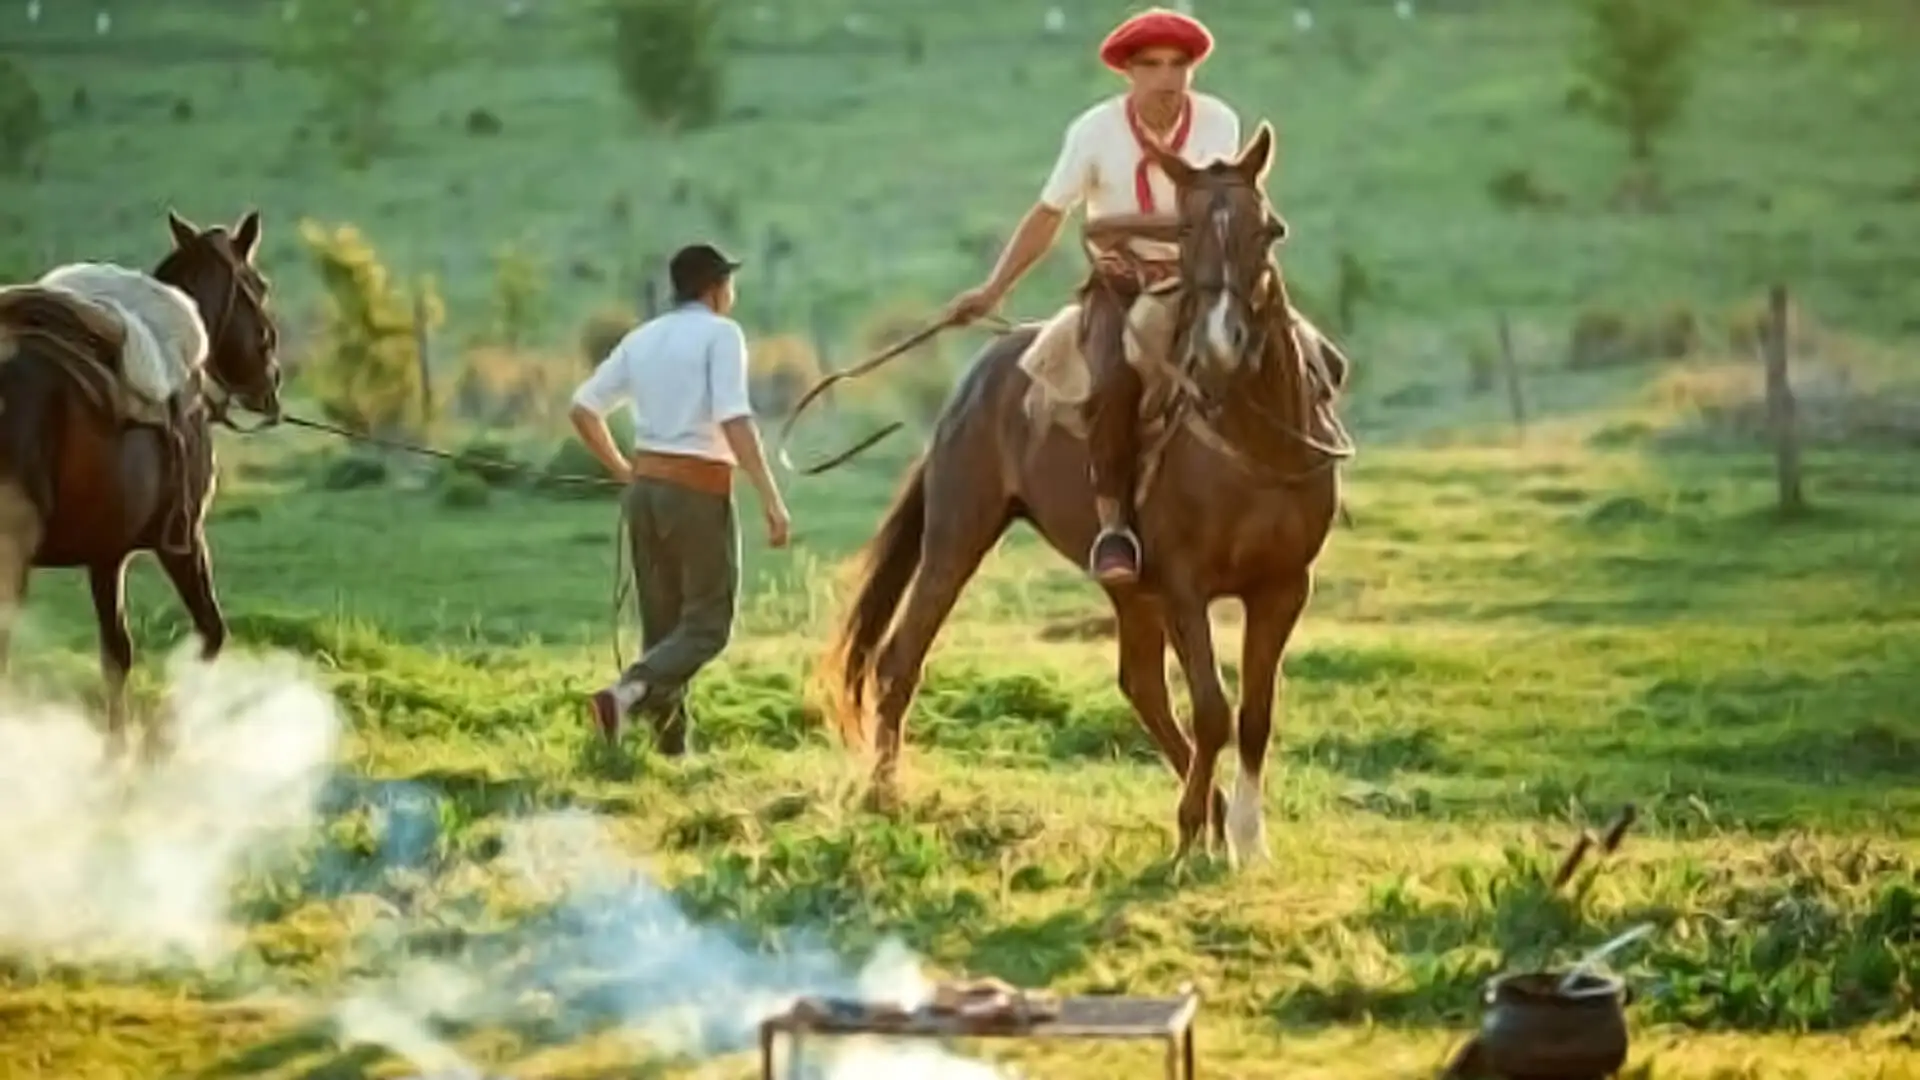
[
  {"x": 502, "y": 387},
  {"x": 463, "y": 491},
  {"x": 603, "y": 331},
  {"x": 667, "y": 54},
  {"x": 784, "y": 366},
  {"x": 366, "y": 372},
  {"x": 353, "y": 471},
  {"x": 1602, "y": 338},
  {"x": 489, "y": 460},
  {"x": 519, "y": 287},
  {"x": 23, "y": 119}
]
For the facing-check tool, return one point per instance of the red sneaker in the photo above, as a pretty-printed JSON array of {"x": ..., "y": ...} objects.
[{"x": 606, "y": 714}]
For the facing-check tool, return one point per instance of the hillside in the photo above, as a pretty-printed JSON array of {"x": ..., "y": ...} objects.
[{"x": 1788, "y": 164}]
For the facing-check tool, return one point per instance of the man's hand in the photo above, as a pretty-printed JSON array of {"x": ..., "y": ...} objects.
[
  {"x": 778, "y": 523},
  {"x": 972, "y": 304}
]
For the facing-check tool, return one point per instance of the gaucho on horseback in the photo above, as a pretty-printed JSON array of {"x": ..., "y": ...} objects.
[{"x": 1103, "y": 165}]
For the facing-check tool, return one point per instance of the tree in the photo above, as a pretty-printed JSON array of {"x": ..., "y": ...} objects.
[
  {"x": 1634, "y": 61},
  {"x": 23, "y": 119},
  {"x": 667, "y": 54},
  {"x": 363, "y": 54},
  {"x": 366, "y": 375}
]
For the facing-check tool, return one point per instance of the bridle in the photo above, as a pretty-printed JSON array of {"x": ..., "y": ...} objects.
[
  {"x": 215, "y": 395},
  {"x": 1252, "y": 301},
  {"x": 1256, "y": 302}
]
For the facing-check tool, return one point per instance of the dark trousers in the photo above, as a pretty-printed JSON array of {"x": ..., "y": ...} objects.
[
  {"x": 686, "y": 575},
  {"x": 1112, "y": 410}
]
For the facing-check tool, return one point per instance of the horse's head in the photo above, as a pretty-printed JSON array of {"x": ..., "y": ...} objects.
[
  {"x": 215, "y": 267},
  {"x": 1227, "y": 230}
]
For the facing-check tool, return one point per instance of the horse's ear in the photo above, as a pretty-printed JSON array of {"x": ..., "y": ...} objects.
[
  {"x": 1257, "y": 158},
  {"x": 183, "y": 230},
  {"x": 246, "y": 235},
  {"x": 1175, "y": 166}
]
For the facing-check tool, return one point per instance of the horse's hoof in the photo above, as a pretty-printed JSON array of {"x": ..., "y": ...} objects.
[{"x": 882, "y": 799}]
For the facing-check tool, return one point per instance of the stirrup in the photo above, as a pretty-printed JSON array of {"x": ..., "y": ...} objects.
[{"x": 1100, "y": 540}]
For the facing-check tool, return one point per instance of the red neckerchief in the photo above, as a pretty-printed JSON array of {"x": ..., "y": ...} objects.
[{"x": 1142, "y": 188}]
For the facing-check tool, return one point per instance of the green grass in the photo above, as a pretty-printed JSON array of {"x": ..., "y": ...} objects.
[{"x": 1507, "y": 647}]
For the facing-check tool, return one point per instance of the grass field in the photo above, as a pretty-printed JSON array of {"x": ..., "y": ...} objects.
[
  {"x": 414, "y": 848},
  {"x": 1507, "y": 647}
]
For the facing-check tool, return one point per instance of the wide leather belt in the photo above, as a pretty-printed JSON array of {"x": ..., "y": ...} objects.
[{"x": 685, "y": 470}]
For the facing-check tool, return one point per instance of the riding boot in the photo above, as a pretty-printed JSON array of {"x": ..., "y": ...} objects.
[
  {"x": 177, "y": 530},
  {"x": 1113, "y": 422}
]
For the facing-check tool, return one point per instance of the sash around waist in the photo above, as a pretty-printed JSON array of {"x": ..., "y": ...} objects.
[{"x": 685, "y": 470}]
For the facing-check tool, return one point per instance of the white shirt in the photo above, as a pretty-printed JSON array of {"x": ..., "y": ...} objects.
[
  {"x": 682, "y": 374},
  {"x": 1099, "y": 154}
]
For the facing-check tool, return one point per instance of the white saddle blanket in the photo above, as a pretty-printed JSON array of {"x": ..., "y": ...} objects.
[
  {"x": 1061, "y": 377},
  {"x": 166, "y": 343}
]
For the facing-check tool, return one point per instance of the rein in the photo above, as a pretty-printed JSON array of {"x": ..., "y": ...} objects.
[
  {"x": 622, "y": 581},
  {"x": 865, "y": 367}
]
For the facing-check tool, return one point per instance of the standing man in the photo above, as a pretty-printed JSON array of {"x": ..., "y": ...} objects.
[
  {"x": 684, "y": 376},
  {"x": 1101, "y": 164}
]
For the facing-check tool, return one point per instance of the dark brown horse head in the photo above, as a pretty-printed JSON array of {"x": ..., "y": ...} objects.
[
  {"x": 1227, "y": 231},
  {"x": 215, "y": 266}
]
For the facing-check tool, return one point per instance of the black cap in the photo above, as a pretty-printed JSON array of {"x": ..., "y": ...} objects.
[{"x": 698, "y": 267}]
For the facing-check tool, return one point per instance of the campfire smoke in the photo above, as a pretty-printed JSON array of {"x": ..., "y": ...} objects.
[{"x": 141, "y": 869}]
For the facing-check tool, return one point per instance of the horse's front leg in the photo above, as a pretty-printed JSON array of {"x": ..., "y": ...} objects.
[
  {"x": 191, "y": 572},
  {"x": 1192, "y": 637},
  {"x": 108, "y": 582},
  {"x": 1272, "y": 614}
]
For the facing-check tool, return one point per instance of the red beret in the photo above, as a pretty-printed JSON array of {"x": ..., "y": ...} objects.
[{"x": 1156, "y": 26}]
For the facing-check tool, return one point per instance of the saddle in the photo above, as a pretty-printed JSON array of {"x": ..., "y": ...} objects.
[
  {"x": 86, "y": 339},
  {"x": 1062, "y": 377},
  {"x": 93, "y": 342}
]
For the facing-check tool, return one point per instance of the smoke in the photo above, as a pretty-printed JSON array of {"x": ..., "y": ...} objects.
[
  {"x": 98, "y": 867},
  {"x": 610, "y": 950},
  {"x": 559, "y": 938}
]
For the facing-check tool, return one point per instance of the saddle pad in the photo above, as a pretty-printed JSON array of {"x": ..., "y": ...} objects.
[{"x": 165, "y": 340}]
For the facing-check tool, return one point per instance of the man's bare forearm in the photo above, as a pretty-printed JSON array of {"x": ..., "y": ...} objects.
[
  {"x": 592, "y": 428},
  {"x": 744, "y": 437},
  {"x": 1030, "y": 240}
]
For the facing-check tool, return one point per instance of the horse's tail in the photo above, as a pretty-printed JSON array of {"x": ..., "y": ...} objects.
[
  {"x": 888, "y": 565},
  {"x": 28, "y": 386}
]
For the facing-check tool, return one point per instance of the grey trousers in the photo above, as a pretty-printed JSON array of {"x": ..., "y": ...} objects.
[{"x": 685, "y": 546}]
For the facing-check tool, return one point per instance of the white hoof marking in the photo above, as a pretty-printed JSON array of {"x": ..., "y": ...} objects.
[{"x": 1246, "y": 824}]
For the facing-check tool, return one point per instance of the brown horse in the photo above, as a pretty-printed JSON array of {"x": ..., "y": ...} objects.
[
  {"x": 1240, "y": 506},
  {"x": 81, "y": 486}
]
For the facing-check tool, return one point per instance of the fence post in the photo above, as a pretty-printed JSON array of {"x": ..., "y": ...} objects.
[
  {"x": 1775, "y": 348},
  {"x": 1510, "y": 365},
  {"x": 423, "y": 353}
]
